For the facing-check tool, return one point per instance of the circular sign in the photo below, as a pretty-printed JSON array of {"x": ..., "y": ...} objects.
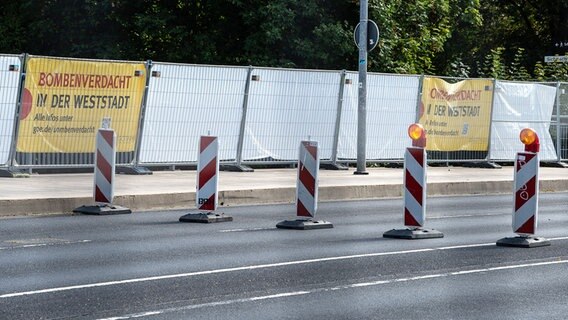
[{"x": 372, "y": 35}]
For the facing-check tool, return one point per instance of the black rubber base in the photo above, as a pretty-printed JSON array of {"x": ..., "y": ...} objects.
[
  {"x": 523, "y": 242},
  {"x": 413, "y": 234},
  {"x": 235, "y": 168},
  {"x": 102, "y": 210},
  {"x": 301, "y": 224},
  {"x": 132, "y": 170},
  {"x": 205, "y": 217},
  {"x": 13, "y": 173}
]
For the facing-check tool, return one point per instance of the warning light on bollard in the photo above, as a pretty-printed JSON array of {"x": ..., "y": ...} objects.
[
  {"x": 530, "y": 139},
  {"x": 417, "y": 133},
  {"x": 415, "y": 190},
  {"x": 525, "y": 200}
]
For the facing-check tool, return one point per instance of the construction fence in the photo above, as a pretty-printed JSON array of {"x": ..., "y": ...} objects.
[{"x": 50, "y": 109}]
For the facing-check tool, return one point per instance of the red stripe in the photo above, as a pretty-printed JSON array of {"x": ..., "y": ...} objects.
[
  {"x": 409, "y": 219},
  {"x": 104, "y": 167},
  {"x": 418, "y": 155},
  {"x": 107, "y": 136},
  {"x": 205, "y": 142},
  {"x": 307, "y": 180},
  {"x": 210, "y": 204},
  {"x": 99, "y": 196},
  {"x": 302, "y": 211},
  {"x": 527, "y": 227},
  {"x": 528, "y": 157},
  {"x": 528, "y": 193},
  {"x": 313, "y": 150},
  {"x": 413, "y": 187},
  {"x": 207, "y": 172}
]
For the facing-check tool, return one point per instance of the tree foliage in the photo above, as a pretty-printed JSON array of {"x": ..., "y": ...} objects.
[{"x": 465, "y": 38}]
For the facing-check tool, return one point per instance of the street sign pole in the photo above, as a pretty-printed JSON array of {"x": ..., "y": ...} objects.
[{"x": 362, "y": 98}]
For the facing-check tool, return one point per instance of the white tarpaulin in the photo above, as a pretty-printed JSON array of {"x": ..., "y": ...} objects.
[
  {"x": 9, "y": 82},
  {"x": 391, "y": 108},
  {"x": 517, "y": 106},
  {"x": 186, "y": 102}
]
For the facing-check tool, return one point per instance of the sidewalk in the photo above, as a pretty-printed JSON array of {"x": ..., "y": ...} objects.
[{"x": 61, "y": 193}]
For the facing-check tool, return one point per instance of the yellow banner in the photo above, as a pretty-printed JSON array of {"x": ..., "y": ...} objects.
[
  {"x": 456, "y": 116},
  {"x": 65, "y": 101}
]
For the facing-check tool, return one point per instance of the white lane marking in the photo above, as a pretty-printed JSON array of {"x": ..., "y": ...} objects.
[
  {"x": 244, "y": 268},
  {"x": 246, "y": 229},
  {"x": 35, "y": 245},
  {"x": 469, "y": 215},
  {"x": 344, "y": 287}
]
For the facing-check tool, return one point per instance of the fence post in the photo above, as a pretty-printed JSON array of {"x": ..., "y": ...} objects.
[
  {"x": 488, "y": 157},
  {"x": 238, "y": 166},
  {"x": 419, "y": 99},
  {"x": 11, "y": 171},
  {"x": 135, "y": 168},
  {"x": 558, "y": 140},
  {"x": 334, "y": 165}
]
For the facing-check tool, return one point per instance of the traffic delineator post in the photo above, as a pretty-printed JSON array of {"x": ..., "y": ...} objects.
[
  {"x": 306, "y": 190},
  {"x": 414, "y": 193},
  {"x": 105, "y": 166},
  {"x": 206, "y": 196},
  {"x": 525, "y": 201}
]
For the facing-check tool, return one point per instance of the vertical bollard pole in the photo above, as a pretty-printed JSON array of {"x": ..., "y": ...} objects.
[
  {"x": 525, "y": 201},
  {"x": 104, "y": 174},
  {"x": 414, "y": 193}
]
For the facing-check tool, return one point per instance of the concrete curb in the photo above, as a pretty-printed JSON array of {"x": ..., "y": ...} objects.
[{"x": 186, "y": 200}]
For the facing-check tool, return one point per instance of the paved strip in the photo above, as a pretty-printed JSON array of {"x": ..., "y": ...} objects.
[
  {"x": 244, "y": 268},
  {"x": 36, "y": 245},
  {"x": 350, "y": 286}
]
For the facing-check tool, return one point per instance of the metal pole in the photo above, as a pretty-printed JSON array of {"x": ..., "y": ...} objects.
[
  {"x": 239, "y": 156},
  {"x": 362, "y": 101},
  {"x": 488, "y": 157},
  {"x": 558, "y": 143},
  {"x": 142, "y": 115},
  {"x": 15, "y": 135},
  {"x": 338, "y": 119}
]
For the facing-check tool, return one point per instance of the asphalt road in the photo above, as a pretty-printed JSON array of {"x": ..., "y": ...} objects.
[{"x": 148, "y": 265}]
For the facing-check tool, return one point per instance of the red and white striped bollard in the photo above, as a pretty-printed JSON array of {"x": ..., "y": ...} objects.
[
  {"x": 206, "y": 196},
  {"x": 306, "y": 190},
  {"x": 414, "y": 193},
  {"x": 525, "y": 202},
  {"x": 105, "y": 166}
]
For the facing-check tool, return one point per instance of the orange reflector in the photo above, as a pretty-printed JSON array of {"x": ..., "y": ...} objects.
[
  {"x": 528, "y": 136},
  {"x": 415, "y": 131}
]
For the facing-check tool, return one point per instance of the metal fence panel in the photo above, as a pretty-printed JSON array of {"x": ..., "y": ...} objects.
[
  {"x": 185, "y": 102},
  {"x": 559, "y": 130},
  {"x": 10, "y": 67},
  {"x": 286, "y": 107},
  {"x": 517, "y": 106},
  {"x": 391, "y": 108}
]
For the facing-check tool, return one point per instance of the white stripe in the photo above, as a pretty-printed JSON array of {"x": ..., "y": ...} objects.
[
  {"x": 308, "y": 161},
  {"x": 415, "y": 209},
  {"x": 344, "y": 287},
  {"x": 306, "y": 198},
  {"x": 106, "y": 187},
  {"x": 527, "y": 172},
  {"x": 106, "y": 149},
  {"x": 208, "y": 190},
  {"x": 25, "y": 246},
  {"x": 208, "y": 154},
  {"x": 524, "y": 213},
  {"x": 246, "y": 268},
  {"x": 243, "y": 230},
  {"x": 414, "y": 168}
]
